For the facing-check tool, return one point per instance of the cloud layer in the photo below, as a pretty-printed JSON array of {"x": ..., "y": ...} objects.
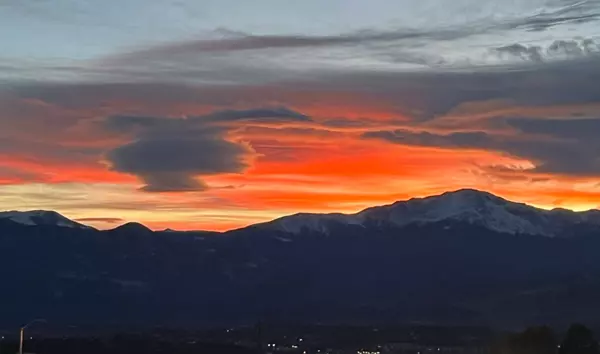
[{"x": 555, "y": 146}]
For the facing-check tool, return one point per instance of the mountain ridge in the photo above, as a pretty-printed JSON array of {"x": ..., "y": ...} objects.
[
  {"x": 477, "y": 207},
  {"x": 449, "y": 271},
  {"x": 470, "y": 205},
  {"x": 41, "y": 217}
]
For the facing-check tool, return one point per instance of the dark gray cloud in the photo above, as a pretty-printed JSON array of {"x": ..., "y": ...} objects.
[
  {"x": 170, "y": 154},
  {"x": 425, "y": 96},
  {"x": 106, "y": 220},
  {"x": 128, "y": 124},
  {"x": 95, "y": 94},
  {"x": 164, "y": 182},
  {"x": 574, "y": 48},
  {"x": 244, "y": 41},
  {"x": 261, "y": 115},
  {"x": 355, "y": 123},
  {"x": 570, "y": 12},
  {"x": 541, "y": 23},
  {"x": 560, "y": 49},
  {"x": 452, "y": 140},
  {"x": 279, "y": 114},
  {"x": 561, "y": 146},
  {"x": 532, "y": 53},
  {"x": 169, "y": 163},
  {"x": 573, "y": 128}
]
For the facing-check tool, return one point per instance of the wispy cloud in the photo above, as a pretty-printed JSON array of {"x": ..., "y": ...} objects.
[{"x": 103, "y": 220}]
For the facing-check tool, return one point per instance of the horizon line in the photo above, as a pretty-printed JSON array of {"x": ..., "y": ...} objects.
[{"x": 125, "y": 222}]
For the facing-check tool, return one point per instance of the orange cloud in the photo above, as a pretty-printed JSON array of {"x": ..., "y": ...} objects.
[
  {"x": 61, "y": 171},
  {"x": 317, "y": 166}
]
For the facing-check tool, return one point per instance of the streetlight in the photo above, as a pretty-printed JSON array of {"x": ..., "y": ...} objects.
[{"x": 23, "y": 333}]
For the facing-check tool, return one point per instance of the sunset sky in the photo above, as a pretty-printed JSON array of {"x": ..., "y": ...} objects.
[{"x": 216, "y": 114}]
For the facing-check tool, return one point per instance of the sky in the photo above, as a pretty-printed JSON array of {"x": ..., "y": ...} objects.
[{"x": 217, "y": 114}]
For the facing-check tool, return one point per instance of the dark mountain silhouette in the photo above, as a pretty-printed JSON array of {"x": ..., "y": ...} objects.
[
  {"x": 131, "y": 227},
  {"x": 452, "y": 259}
]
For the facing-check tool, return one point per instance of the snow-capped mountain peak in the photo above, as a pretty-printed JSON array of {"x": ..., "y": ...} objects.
[
  {"x": 41, "y": 218},
  {"x": 465, "y": 205}
]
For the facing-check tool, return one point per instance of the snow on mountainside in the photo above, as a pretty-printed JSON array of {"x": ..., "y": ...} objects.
[
  {"x": 314, "y": 222},
  {"x": 41, "y": 218},
  {"x": 466, "y": 205}
]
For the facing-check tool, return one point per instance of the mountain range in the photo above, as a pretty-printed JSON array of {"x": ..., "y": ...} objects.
[
  {"x": 463, "y": 257},
  {"x": 467, "y": 205}
]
